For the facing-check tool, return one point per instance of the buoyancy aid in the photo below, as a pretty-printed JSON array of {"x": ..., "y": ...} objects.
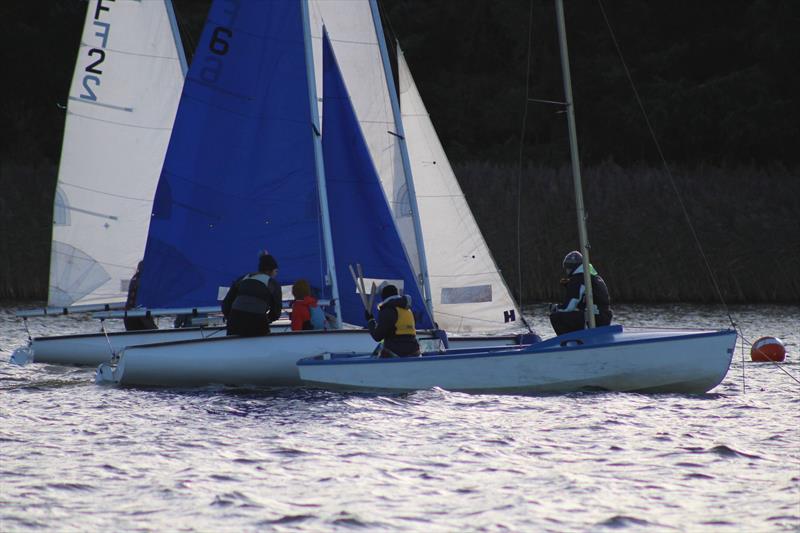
[
  {"x": 405, "y": 323},
  {"x": 253, "y": 294}
]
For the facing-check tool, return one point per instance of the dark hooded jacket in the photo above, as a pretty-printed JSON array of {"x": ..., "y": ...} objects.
[{"x": 385, "y": 328}]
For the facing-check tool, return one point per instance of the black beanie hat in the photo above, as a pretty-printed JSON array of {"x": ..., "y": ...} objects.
[
  {"x": 266, "y": 263},
  {"x": 388, "y": 291}
]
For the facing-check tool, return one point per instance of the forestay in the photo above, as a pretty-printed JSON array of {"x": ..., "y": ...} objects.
[
  {"x": 121, "y": 107},
  {"x": 239, "y": 173},
  {"x": 361, "y": 223},
  {"x": 468, "y": 292}
]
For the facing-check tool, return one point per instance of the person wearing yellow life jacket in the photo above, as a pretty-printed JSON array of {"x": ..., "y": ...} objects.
[
  {"x": 395, "y": 325},
  {"x": 254, "y": 300}
]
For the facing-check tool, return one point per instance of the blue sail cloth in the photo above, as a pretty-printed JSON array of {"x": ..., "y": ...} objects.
[
  {"x": 239, "y": 173},
  {"x": 362, "y": 227}
]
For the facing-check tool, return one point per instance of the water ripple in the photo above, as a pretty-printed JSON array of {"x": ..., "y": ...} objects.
[{"x": 231, "y": 459}]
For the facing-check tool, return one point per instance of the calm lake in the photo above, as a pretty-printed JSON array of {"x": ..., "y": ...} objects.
[{"x": 76, "y": 456}]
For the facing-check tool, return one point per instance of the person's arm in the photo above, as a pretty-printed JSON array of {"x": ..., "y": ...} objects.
[
  {"x": 384, "y": 326},
  {"x": 275, "y": 306},
  {"x": 227, "y": 302},
  {"x": 574, "y": 295}
]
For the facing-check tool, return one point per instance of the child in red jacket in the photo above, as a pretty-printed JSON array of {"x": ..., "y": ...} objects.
[{"x": 305, "y": 314}]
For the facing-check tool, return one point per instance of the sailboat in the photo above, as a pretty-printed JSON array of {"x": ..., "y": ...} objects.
[
  {"x": 122, "y": 102},
  {"x": 241, "y": 139},
  {"x": 603, "y": 358},
  {"x": 470, "y": 296}
]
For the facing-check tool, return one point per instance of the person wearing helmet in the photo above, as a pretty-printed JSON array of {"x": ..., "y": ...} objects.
[
  {"x": 571, "y": 314},
  {"x": 395, "y": 325},
  {"x": 254, "y": 300}
]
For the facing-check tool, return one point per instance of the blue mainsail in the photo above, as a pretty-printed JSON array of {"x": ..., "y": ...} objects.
[
  {"x": 361, "y": 223},
  {"x": 239, "y": 172}
]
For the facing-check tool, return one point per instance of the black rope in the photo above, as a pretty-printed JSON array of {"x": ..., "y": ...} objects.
[
  {"x": 519, "y": 168},
  {"x": 666, "y": 166},
  {"x": 521, "y": 149}
]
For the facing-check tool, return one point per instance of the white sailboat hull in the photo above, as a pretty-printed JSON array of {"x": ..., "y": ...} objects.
[
  {"x": 259, "y": 361},
  {"x": 607, "y": 359},
  {"x": 95, "y": 348}
]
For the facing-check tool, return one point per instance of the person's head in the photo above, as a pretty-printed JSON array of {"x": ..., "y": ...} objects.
[
  {"x": 267, "y": 265},
  {"x": 301, "y": 289},
  {"x": 571, "y": 261},
  {"x": 388, "y": 291},
  {"x": 139, "y": 266}
]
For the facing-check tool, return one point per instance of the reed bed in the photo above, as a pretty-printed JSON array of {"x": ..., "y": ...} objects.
[{"x": 746, "y": 219}]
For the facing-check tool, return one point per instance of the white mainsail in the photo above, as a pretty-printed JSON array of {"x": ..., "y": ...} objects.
[
  {"x": 122, "y": 103},
  {"x": 351, "y": 29},
  {"x": 469, "y": 294}
]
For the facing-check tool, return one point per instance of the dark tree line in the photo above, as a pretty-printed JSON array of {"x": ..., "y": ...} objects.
[{"x": 718, "y": 80}]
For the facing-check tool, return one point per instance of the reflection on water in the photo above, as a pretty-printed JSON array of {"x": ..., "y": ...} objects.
[{"x": 79, "y": 456}]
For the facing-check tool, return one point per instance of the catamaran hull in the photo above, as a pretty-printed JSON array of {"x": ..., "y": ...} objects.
[
  {"x": 93, "y": 349},
  {"x": 692, "y": 362},
  {"x": 258, "y": 361}
]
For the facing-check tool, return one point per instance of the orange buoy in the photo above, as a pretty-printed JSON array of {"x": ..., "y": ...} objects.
[{"x": 768, "y": 349}]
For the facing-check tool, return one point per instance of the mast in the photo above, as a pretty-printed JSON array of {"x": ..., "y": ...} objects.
[
  {"x": 576, "y": 166},
  {"x": 318, "y": 161},
  {"x": 173, "y": 22},
  {"x": 412, "y": 195}
]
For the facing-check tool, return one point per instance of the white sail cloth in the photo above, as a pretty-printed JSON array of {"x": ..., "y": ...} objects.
[
  {"x": 122, "y": 103},
  {"x": 469, "y": 294}
]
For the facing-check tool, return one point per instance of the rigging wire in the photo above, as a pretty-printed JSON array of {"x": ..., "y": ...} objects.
[
  {"x": 184, "y": 28},
  {"x": 679, "y": 197},
  {"x": 666, "y": 165},
  {"x": 521, "y": 148}
]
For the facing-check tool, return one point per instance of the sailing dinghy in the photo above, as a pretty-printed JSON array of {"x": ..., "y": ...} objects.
[
  {"x": 605, "y": 358},
  {"x": 122, "y": 103},
  {"x": 469, "y": 295},
  {"x": 600, "y": 359},
  {"x": 274, "y": 179}
]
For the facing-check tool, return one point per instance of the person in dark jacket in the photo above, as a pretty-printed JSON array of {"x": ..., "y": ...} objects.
[
  {"x": 395, "y": 325},
  {"x": 571, "y": 314},
  {"x": 136, "y": 323},
  {"x": 254, "y": 300}
]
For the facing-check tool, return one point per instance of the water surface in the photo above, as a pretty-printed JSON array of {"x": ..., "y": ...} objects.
[{"x": 76, "y": 456}]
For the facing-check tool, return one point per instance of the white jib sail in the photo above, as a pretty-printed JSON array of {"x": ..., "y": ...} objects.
[
  {"x": 468, "y": 292},
  {"x": 352, "y": 33},
  {"x": 122, "y": 104}
]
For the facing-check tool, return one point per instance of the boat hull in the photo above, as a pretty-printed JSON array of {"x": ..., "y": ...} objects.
[
  {"x": 95, "y": 348},
  {"x": 258, "y": 361},
  {"x": 603, "y": 359},
  {"x": 92, "y": 349}
]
